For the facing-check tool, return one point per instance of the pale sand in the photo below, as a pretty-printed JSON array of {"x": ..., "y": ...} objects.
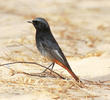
[{"x": 81, "y": 27}]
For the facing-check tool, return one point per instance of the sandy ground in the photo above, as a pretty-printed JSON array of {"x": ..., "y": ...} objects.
[{"x": 82, "y": 29}]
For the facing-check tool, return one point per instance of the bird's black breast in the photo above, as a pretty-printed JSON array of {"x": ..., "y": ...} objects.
[{"x": 44, "y": 44}]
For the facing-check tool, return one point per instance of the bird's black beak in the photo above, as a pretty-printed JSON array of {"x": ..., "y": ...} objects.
[{"x": 29, "y": 21}]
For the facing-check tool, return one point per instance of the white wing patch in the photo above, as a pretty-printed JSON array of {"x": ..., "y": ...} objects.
[{"x": 56, "y": 52}]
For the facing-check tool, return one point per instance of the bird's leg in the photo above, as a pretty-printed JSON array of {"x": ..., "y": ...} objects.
[
  {"x": 49, "y": 67},
  {"x": 52, "y": 65}
]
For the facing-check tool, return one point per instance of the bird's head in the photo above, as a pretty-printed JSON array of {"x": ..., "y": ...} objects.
[{"x": 40, "y": 24}]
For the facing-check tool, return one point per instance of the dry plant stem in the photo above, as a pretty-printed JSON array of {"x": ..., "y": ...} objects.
[
  {"x": 78, "y": 84},
  {"x": 34, "y": 64}
]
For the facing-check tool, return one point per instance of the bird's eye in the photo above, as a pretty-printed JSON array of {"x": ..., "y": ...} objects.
[{"x": 35, "y": 22}]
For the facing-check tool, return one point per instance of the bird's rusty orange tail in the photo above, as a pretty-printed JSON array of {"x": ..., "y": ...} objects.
[{"x": 70, "y": 71}]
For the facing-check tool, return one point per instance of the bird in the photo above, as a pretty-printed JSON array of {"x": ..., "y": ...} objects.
[{"x": 48, "y": 46}]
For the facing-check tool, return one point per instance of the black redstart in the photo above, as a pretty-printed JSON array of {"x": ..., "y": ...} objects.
[{"x": 48, "y": 46}]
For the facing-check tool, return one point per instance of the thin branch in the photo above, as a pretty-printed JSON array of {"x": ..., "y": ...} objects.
[{"x": 34, "y": 64}]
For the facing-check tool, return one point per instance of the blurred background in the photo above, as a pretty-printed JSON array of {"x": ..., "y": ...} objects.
[
  {"x": 83, "y": 23},
  {"x": 82, "y": 29}
]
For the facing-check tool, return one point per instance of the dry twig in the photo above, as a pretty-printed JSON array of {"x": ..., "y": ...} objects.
[{"x": 34, "y": 64}]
